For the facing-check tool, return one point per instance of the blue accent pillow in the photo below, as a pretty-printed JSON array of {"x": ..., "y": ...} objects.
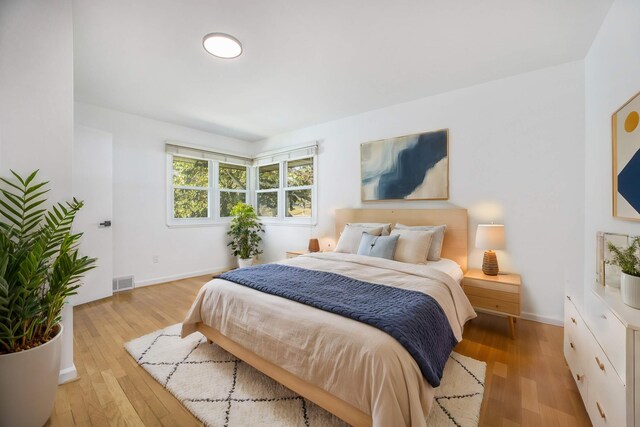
[{"x": 378, "y": 246}]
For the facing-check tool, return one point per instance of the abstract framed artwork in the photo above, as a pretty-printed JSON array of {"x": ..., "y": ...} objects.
[
  {"x": 625, "y": 126},
  {"x": 411, "y": 167}
]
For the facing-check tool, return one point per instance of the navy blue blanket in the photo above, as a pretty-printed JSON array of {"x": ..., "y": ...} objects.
[{"x": 414, "y": 319}]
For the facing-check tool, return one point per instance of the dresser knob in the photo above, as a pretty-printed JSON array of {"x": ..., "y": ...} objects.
[
  {"x": 579, "y": 377},
  {"x": 600, "y": 364},
  {"x": 573, "y": 319},
  {"x": 572, "y": 346},
  {"x": 602, "y": 414}
]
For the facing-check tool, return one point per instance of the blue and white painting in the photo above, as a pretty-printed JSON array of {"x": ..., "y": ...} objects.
[
  {"x": 412, "y": 167},
  {"x": 626, "y": 160}
]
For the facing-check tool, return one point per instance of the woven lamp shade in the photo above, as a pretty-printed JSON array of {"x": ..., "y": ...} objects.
[{"x": 490, "y": 237}]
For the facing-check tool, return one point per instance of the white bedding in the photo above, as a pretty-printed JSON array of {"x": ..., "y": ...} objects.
[
  {"x": 449, "y": 267},
  {"x": 351, "y": 360}
]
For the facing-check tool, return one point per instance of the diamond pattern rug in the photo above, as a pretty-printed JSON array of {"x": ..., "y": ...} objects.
[{"x": 221, "y": 390}]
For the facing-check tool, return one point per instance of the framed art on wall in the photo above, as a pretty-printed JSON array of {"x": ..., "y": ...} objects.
[
  {"x": 608, "y": 274},
  {"x": 411, "y": 167},
  {"x": 625, "y": 126}
]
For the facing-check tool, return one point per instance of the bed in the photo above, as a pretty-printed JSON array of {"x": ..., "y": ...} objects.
[{"x": 353, "y": 370}]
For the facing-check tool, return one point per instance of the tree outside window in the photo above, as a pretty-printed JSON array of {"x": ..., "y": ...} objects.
[
  {"x": 267, "y": 193},
  {"x": 298, "y": 197},
  {"x": 232, "y": 182},
  {"x": 190, "y": 188}
]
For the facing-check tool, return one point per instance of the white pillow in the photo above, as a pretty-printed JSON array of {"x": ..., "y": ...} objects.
[
  {"x": 386, "y": 227},
  {"x": 413, "y": 246},
  {"x": 438, "y": 237},
  {"x": 350, "y": 238}
]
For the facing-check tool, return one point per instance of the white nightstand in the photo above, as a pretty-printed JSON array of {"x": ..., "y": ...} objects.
[{"x": 494, "y": 294}]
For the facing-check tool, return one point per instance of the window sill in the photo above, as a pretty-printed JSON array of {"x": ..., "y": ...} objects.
[
  {"x": 197, "y": 224},
  {"x": 309, "y": 223}
]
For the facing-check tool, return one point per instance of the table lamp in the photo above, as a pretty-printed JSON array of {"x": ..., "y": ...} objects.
[
  {"x": 490, "y": 237},
  {"x": 314, "y": 245}
]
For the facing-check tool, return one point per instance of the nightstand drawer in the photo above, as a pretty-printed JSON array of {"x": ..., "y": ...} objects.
[
  {"x": 494, "y": 304},
  {"x": 495, "y": 286},
  {"x": 485, "y": 292}
]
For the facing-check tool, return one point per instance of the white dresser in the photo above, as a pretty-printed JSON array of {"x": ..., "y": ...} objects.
[{"x": 602, "y": 349}]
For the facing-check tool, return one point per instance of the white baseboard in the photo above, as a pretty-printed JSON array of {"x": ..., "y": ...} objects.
[
  {"x": 165, "y": 279},
  {"x": 542, "y": 319},
  {"x": 68, "y": 374}
]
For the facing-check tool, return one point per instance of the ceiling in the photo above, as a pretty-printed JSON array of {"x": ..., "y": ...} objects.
[{"x": 307, "y": 62}]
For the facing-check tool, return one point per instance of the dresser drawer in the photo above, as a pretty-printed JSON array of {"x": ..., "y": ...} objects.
[
  {"x": 608, "y": 331},
  {"x": 495, "y": 304},
  {"x": 571, "y": 317},
  {"x": 575, "y": 355},
  {"x": 576, "y": 348},
  {"x": 606, "y": 397}
]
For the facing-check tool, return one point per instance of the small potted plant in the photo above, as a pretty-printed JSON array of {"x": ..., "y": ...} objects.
[
  {"x": 628, "y": 259},
  {"x": 245, "y": 232},
  {"x": 39, "y": 269}
]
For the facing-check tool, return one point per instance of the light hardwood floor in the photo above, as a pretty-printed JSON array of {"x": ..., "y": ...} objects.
[{"x": 528, "y": 382}]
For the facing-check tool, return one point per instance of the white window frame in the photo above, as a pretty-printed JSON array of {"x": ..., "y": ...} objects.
[
  {"x": 258, "y": 190},
  {"x": 280, "y": 157},
  {"x": 213, "y": 217},
  {"x": 282, "y": 219},
  {"x": 219, "y": 190}
]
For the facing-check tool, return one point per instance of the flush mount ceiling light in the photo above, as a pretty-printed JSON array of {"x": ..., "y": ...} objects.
[{"x": 222, "y": 45}]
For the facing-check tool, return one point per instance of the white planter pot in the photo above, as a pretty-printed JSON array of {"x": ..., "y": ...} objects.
[
  {"x": 630, "y": 290},
  {"x": 28, "y": 384},
  {"x": 245, "y": 262}
]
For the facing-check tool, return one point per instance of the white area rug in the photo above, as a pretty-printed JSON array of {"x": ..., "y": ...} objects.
[{"x": 221, "y": 390}]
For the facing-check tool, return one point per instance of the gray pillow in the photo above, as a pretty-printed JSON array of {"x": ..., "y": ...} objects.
[
  {"x": 378, "y": 246},
  {"x": 438, "y": 237},
  {"x": 386, "y": 226}
]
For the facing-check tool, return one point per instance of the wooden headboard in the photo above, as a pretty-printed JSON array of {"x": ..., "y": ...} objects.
[{"x": 455, "y": 238}]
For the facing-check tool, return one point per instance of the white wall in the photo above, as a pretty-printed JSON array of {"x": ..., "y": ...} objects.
[
  {"x": 612, "y": 76},
  {"x": 517, "y": 157},
  {"x": 139, "y": 199},
  {"x": 36, "y": 105}
]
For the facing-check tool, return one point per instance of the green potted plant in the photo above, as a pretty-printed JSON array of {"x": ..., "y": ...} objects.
[
  {"x": 39, "y": 269},
  {"x": 245, "y": 232},
  {"x": 628, "y": 259}
]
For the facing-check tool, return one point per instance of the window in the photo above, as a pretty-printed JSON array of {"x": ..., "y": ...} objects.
[
  {"x": 232, "y": 185},
  {"x": 285, "y": 191},
  {"x": 191, "y": 192},
  {"x": 204, "y": 186},
  {"x": 298, "y": 192},
  {"x": 267, "y": 190},
  {"x": 203, "y": 191}
]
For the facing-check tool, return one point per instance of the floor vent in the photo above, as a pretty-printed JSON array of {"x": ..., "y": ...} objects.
[{"x": 123, "y": 283}]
